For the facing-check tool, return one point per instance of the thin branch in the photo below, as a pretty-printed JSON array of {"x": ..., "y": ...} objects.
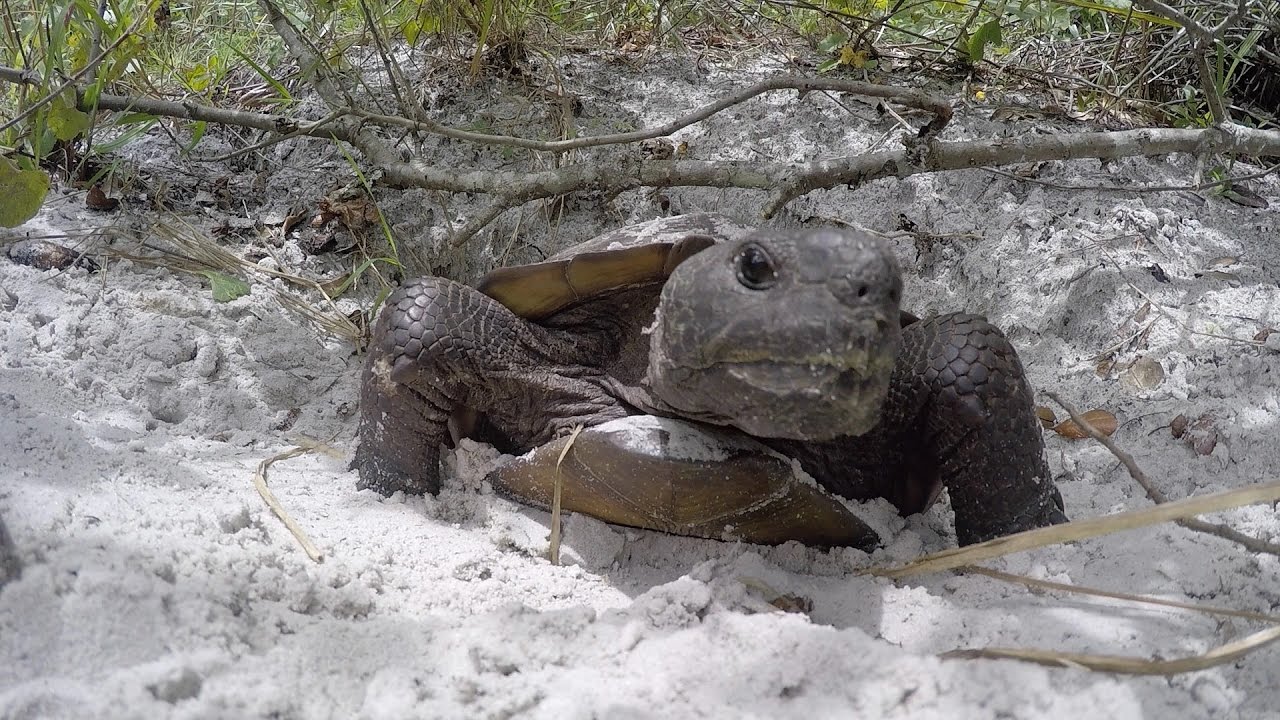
[
  {"x": 314, "y": 129},
  {"x": 910, "y": 98},
  {"x": 19, "y": 77},
  {"x": 1156, "y": 495},
  {"x": 1221, "y": 655},
  {"x": 1194, "y": 187},
  {"x": 88, "y": 68},
  {"x": 477, "y": 223},
  {"x": 1037, "y": 583}
]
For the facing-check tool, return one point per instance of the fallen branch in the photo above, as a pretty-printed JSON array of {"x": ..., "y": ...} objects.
[
  {"x": 509, "y": 189},
  {"x": 911, "y": 98}
]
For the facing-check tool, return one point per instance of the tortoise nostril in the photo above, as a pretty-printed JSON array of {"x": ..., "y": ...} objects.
[{"x": 863, "y": 290}]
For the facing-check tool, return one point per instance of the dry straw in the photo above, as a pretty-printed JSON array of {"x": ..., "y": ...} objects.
[
  {"x": 556, "y": 492},
  {"x": 1084, "y": 529},
  {"x": 260, "y": 482}
]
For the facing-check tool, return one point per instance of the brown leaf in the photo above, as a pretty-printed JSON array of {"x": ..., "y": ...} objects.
[
  {"x": 1241, "y": 195},
  {"x": 1263, "y": 334},
  {"x": 1047, "y": 418},
  {"x": 1178, "y": 426},
  {"x": 1104, "y": 367},
  {"x": 1102, "y": 420},
  {"x": 1202, "y": 436},
  {"x": 46, "y": 255},
  {"x": 793, "y": 604},
  {"x": 1144, "y": 374},
  {"x": 1229, "y": 278},
  {"x": 96, "y": 199}
]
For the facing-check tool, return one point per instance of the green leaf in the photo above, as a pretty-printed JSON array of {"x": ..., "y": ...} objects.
[
  {"x": 832, "y": 41},
  {"x": 987, "y": 33},
  {"x": 65, "y": 120},
  {"x": 197, "y": 134},
  {"x": 1119, "y": 12},
  {"x": 828, "y": 65},
  {"x": 411, "y": 29},
  {"x": 281, "y": 90},
  {"x": 21, "y": 193},
  {"x": 226, "y": 287}
]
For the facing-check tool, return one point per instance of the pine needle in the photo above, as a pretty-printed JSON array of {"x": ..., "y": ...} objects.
[
  {"x": 1083, "y": 529},
  {"x": 1127, "y": 597},
  {"x": 1229, "y": 652}
]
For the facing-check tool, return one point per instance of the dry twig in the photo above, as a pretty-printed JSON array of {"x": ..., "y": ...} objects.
[
  {"x": 1222, "y": 654},
  {"x": 556, "y": 492},
  {"x": 1083, "y": 529},
  {"x": 260, "y": 482},
  {"x": 1157, "y": 496}
]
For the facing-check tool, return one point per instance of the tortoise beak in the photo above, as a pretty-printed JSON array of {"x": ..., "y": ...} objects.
[{"x": 836, "y": 388}]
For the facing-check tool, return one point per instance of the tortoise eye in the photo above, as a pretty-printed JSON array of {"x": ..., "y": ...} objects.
[{"x": 755, "y": 268}]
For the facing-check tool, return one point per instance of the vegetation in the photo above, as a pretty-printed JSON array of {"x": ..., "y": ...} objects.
[{"x": 83, "y": 78}]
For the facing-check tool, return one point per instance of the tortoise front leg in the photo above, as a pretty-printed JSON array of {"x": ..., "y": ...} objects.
[
  {"x": 407, "y": 393},
  {"x": 961, "y": 407},
  {"x": 440, "y": 347},
  {"x": 10, "y": 568}
]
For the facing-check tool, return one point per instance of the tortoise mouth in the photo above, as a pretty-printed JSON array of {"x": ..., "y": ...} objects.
[
  {"x": 806, "y": 400},
  {"x": 803, "y": 378}
]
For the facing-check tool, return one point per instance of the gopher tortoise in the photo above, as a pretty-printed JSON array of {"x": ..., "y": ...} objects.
[{"x": 706, "y": 360}]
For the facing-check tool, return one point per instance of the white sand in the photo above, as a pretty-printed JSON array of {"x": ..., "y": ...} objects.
[{"x": 134, "y": 409}]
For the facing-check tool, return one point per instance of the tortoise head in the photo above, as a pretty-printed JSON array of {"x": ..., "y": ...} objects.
[{"x": 787, "y": 334}]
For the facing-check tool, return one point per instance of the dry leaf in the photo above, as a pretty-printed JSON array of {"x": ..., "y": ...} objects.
[
  {"x": 46, "y": 255},
  {"x": 1178, "y": 426},
  {"x": 1202, "y": 435},
  {"x": 793, "y": 604},
  {"x": 1047, "y": 418},
  {"x": 1104, "y": 367},
  {"x": 1144, "y": 373},
  {"x": 1142, "y": 313},
  {"x": 1229, "y": 278},
  {"x": 1102, "y": 420},
  {"x": 96, "y": 199},
  {"x": 1263, "y": 334},
  {"x": 1224, "y": 261}
]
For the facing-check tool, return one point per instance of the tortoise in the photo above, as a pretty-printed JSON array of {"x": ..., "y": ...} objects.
[
  {"x": 10, "y": 568},
  {"x": 759, "y": 349}
]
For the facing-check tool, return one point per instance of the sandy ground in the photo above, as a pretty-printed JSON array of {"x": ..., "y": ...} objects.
[{"x": 134, "y": 409}]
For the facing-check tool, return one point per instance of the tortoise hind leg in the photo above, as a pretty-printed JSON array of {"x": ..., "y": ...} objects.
[{"x": 961, "y": 397}]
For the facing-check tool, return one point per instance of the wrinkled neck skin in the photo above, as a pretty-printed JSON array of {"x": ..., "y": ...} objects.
[{"x": 808, "y": 357}]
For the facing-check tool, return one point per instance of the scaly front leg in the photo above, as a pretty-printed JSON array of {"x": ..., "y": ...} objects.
[
  {"x": 440, "y": 347},
  {"x": 960, "y": 400}
]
